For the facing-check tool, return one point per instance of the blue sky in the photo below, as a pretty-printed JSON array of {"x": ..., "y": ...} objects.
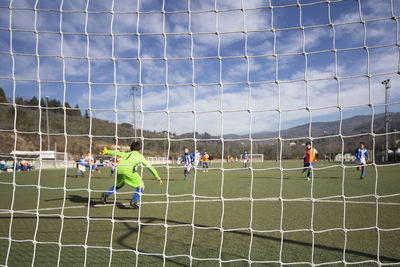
[{"x": 219, "y": 68}]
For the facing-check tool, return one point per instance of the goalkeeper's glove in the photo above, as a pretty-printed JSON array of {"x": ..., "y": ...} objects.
[
  {"x": 104, "y": 151},
  {"x": 159, "y": 181}
]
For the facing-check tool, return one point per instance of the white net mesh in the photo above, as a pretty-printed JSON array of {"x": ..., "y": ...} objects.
[{"x": 244, "y": 73}]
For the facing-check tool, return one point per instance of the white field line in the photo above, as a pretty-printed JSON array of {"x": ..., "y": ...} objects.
[{"x": 5, "y": 211}]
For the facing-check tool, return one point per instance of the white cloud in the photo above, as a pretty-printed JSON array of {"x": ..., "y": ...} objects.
[
  {"x": 22, "y": 19},
  {"x": 125, "y": 23},
  {"x": 322, "y": 93},
  {"x": 150, "y": 23},
  {"x": 376, "y": 9}
]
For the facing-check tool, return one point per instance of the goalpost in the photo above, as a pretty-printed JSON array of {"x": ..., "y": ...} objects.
[{"x": 280, "y": 57}]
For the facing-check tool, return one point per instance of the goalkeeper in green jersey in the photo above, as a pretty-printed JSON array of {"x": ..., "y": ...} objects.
[{"x": 127, "y": 172}]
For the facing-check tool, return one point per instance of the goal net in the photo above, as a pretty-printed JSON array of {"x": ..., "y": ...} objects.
[
  {"x": 296, "y": 84},
  {"x": 257, "y": 157}
]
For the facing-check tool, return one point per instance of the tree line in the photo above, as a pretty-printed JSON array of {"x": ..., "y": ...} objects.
[{"x": 54, "y": 104}]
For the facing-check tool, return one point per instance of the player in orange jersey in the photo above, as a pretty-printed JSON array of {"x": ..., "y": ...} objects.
[
  {"x": 309, "y": 159},
  {"x": 114, "y": 164},
  {"x": 205, "y": 162}
]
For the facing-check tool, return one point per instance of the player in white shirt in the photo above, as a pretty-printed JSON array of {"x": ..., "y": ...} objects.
[{"x": 197, "y": 158}]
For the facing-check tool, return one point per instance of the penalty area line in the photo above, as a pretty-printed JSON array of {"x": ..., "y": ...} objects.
[{"x": 2, "y": 211}]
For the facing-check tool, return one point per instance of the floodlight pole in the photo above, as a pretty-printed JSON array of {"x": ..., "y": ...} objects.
[
  {"x": 387, "y": 87},
  {"x": 395, "y": 145},
  {"x": 47, "y": 122},
  {"x": 133, "y": 91}
]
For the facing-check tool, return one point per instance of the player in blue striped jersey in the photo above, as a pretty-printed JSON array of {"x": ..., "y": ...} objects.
[
  {"x": 188, "y": 158},
  {"x": 362, "y": 156},
  {"x": 81, "y": 164},
  {"x": 245, "y": 158}
]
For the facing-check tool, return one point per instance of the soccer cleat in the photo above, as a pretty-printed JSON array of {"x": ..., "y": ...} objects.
[
  {"x": 133, "y": 204},
  {"x": 104, "y": 197},
  {"x": 99, "y": 172},
  {"x": 361, "y": 177},
  {"x": 303, "y": 172},
  {"x": 308, "y": 178}
]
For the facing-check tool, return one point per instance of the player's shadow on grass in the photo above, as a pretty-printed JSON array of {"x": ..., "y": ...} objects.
[
  {"x": 126, "y": 239},
  {"x": 84, "y": 200},
  {"x": 150, "y": 220}
]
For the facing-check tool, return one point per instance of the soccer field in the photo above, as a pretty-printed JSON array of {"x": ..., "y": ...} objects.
[{"x": 271, "y": 217}]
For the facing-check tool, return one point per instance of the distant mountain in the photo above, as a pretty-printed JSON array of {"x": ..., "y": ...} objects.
[{"x": 354, "y": 125}]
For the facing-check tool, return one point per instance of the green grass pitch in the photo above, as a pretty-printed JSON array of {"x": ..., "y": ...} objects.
[{"x": 359, "y": 228}]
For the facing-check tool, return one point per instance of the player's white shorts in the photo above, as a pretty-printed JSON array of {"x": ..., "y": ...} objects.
[
  {"x": 187, "y": 167},
  {"x": 81, "y": 168},
  {"x": 244, "y": 160},
  {"x": 196, "y": 162},
  {"x": 361, "y": 161}
]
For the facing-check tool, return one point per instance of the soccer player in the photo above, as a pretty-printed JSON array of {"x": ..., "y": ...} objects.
[
  {"x": 17, "y": 165},
  {"x": 245, "y": 158},
  {"x": 114, "y": 164},
  {"x": 91, "y": 164},
  {"x": 362, "y": 156},
  {"x": 178, "y": 160},
  {"x": 24, "y": 165},
  {"x": 309, "y": 159},
  {"x": 210, "y": 158},
  {"x": 31, "y": 166},
  {"x": 127, "y": 172},
  {"x": 187, "y": 162},
  {"x": 81, "y": 166},
  {"x": 205, "y": 162},
  {"x": 197, "y": 158},
  {"x": 2, "y": 164}
]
